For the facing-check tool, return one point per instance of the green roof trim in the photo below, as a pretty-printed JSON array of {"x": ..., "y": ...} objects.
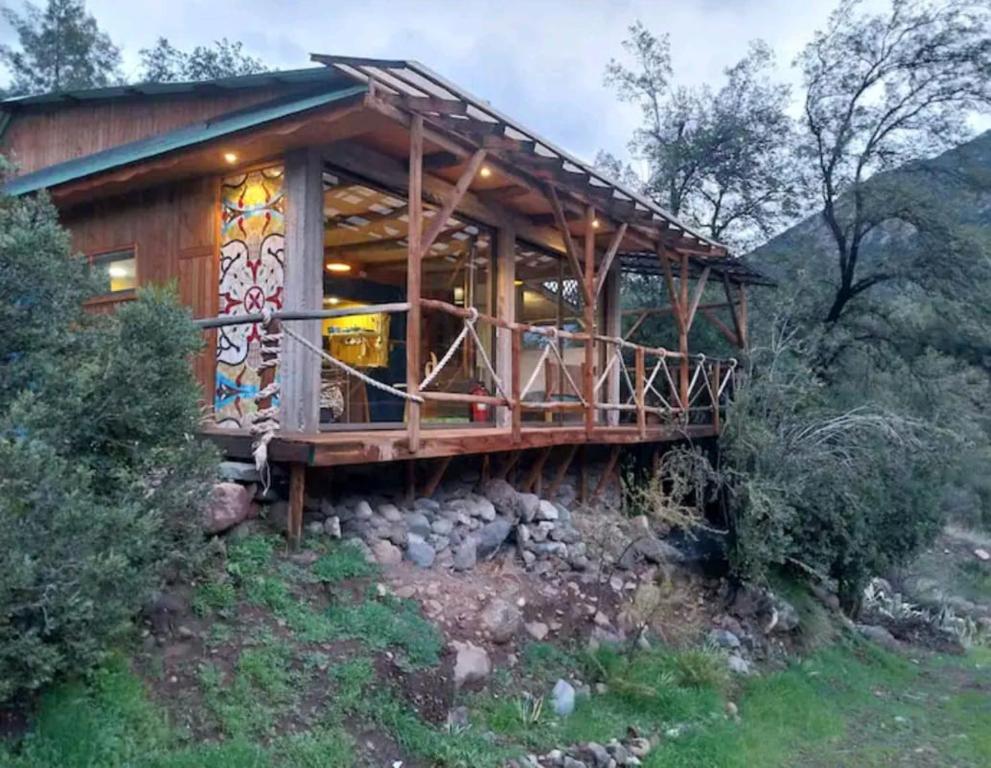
[
  {"x": 306, "y": 76},
  {"x": 182, "y": 138}
]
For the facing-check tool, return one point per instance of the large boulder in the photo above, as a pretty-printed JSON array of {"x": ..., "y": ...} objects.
[
  {"x": 466, "y": 554},
  {"x": 503, "y": 496},
  {"x": 491, "y": 536},
  {"x": 501, "y": 620},
  {"x": 230, "y": 504},
  {"x": 386, "y": 553},
  {"x": 471, "y": 664},
  {"x": 419, "y": 551}
]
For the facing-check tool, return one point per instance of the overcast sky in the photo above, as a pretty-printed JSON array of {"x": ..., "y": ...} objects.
[{"x": 540, "y": 61}]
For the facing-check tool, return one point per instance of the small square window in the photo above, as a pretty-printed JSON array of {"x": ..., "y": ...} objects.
[{"x": 116, "y": 271}]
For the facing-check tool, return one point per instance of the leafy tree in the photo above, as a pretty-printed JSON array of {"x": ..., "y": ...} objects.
[
  {"x": 165, "y": 63},
  {"x": 881, "y": 90},
  {"x": 719, "y": 159},
  {"x": 103, "y": 481},
  {"x": 60, "y": 48}
]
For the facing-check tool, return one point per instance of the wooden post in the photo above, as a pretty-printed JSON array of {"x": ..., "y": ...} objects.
[
  {"x": 562, "y": 470},
  {"x": 683, "y": 371},
  {"x": 583, "y": 475},
  {"x": 297, "y": 495},
  {"x": 414, "y": 276},
  {"x": 410, "y": 481},
  {"x": 640, "y": 394},
  {"x": 744, "y": 329},
  {"x": 299, "y": 405},
  {"x": 607, "y": 473},
  {"x": 535, "y": 476},
  {"x": 614, "y": 329},
  {"x": 516, "y": 339},
  {"x": 505, "y": 362},
  {"x": 717, "y": 372},
  {"x": 438, "y": 474},
  {"x": 486, "y": 467},
  {"x": 590, "y": 303}
]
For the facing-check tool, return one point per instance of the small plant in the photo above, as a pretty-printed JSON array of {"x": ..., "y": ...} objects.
[
  {"x": 250, "y": 556},
  {"x": 344, "y": 561},
  {"x": 529, "y": 708},
  {"x": 214, "y": 596},
  {"x": 386, "y": 623},
  {"x": 703, "y": 667}
]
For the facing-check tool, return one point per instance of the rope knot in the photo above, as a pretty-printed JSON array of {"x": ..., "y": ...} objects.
[
  {"x": 472, "y": 314},
  {"x": 266, "y": 316}
]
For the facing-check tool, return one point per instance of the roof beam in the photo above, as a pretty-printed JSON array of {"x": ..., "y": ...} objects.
[
  {"x": 464, "y": 181},
  {"x": 608, "y": 259},
  {"x": 569, "y": 242}
]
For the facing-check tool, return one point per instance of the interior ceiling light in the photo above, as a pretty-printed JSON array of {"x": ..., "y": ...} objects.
[
  {"x": 338, "y": 266},
  {"x": 333, "y": 300},
  {"x": 117, "y": 271},
  {"x": 230, "y": 157},
  {"x": 485, "y": 172},
  {"x": 595, "y": 223},
  {"x": 517, "y": 282}
]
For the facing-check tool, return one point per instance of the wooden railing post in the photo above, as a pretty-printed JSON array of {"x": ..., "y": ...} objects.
[
  {"x": 640, "y": 394},
  {"x": 413, "y": 279},
  {"x": 590, "y": 303},
  {"x": 717, "y": 373},
  {"x": 516, "y": 346},
  {"x": 683, "y": 372}
]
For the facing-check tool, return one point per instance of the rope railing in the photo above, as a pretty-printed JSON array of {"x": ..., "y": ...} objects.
[{"x": 645, "y": 395}]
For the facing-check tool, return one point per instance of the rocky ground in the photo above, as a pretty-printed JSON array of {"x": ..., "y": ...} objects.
[{"x": 488, "y": 628}]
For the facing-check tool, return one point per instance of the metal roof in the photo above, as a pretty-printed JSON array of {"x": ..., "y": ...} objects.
[
  {"x": 412, "y": 79},
  {"x": 181, "y": 138},
  {"x": 309, "y": 75}
]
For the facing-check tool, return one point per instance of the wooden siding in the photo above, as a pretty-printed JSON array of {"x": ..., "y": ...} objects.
[
  {"x": 174, "y": 230},
  {"x": 38, "y": 138}
]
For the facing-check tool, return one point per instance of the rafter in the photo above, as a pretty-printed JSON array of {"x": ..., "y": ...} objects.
[
  {"x": 607, "y": 260},
  {"x": 464, "y": 181}
]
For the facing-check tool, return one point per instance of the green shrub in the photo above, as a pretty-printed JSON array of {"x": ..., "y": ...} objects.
[
  {"x": 344, "y": 561},
  {"x": 103, "y": 481}
]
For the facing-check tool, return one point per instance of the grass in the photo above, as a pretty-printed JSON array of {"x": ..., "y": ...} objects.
[
  {"x": 271, "y": 655},
  {"x": 389, "y": 623}
]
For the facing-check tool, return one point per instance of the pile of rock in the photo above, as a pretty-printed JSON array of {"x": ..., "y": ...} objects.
[
  {"x": 457, "y": 528},
  {"x": 615, "y": 754}
]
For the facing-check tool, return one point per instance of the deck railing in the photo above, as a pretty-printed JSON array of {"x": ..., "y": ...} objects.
[{"x": 645, "y": 386}]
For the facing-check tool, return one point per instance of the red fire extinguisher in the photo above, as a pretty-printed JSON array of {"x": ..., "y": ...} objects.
[{"x": 478, "y": 411}]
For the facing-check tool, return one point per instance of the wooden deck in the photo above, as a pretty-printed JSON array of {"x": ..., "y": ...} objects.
[{"x": 328, "y": 449}]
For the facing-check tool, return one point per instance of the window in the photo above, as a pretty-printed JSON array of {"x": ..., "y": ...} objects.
[{"x": 116, "y": 271}]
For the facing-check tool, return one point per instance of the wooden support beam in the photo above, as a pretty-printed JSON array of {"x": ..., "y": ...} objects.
[
  {"x": 535, "y": 475},
  {"x": 737, "y": 326},
  {"x": 724, "y": 329},
  {"x": 297, "y": 496},
  {"x": 410, "y": 481},
  {"x": 299, "y": 404},
  {"x": 439, "y": 222},
  {"x": 516, "y": 354},
  {"x": 505, "y": 306},
  {"x": 569, "y": 243},
  {"x": 717, "y": 374},
  {"x": 608, "y": 473},
  {"x": 743, "y": 322},
  {"x": 608, "y": 258},
  {"x": 699, "y": 288},
  {"x": 562, "y": 471},
  {"x": 486, "y": 467},
  {"x": 414, "y": 276},
  {"x": 640, "y": 395},
  {"x": 503, "y": 472},
  {"x": 435, "y": 477},
  {"x": 613, "y": 329},
  {"x": 636, "y": 325},
  {"x": 673, "y": 295},
  {"x": 583, "y": 476},
  {"x": 590, "y": 320},
  {"x": 683, "y": 369}
]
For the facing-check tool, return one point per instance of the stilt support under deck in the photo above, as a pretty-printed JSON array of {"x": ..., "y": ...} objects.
[
  {"x": 534, "y": 479},
  {"x": 297, "y": 495},
  {"x": 608, "y": 474},
  {"x": 434, "y": 480},
  {"x": 562, "y": 470}
]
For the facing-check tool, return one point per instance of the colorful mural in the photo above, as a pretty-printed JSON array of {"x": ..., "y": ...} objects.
[{"x": 252, "y": 258}]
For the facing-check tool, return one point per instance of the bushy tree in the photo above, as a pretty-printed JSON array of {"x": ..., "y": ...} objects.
[
  {"x": 720, "y": 159},
  {"x": 882, "y": 90},
  {"x": 59, "y": 48},
  {"x": 164, "y": 63},
  {"x": 103, "y": 479}
]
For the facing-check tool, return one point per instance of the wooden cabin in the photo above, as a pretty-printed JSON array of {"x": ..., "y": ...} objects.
[{"x": 385, "y": 267}]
